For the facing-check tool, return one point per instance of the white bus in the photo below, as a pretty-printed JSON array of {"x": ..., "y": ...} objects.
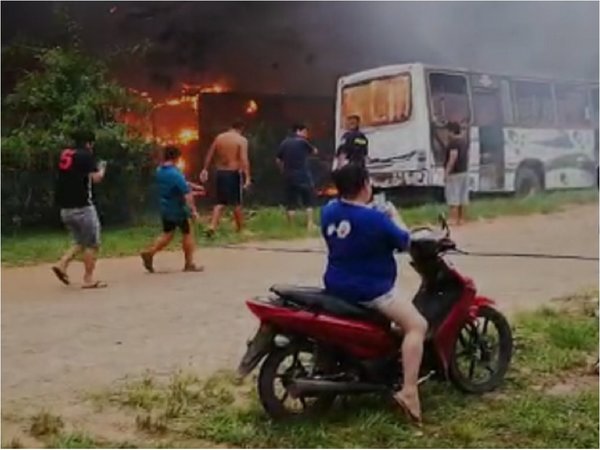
[{"x": 525, "y": 134}]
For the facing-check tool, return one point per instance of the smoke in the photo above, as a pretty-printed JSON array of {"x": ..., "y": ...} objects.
[{"x": 302, "y": 47}]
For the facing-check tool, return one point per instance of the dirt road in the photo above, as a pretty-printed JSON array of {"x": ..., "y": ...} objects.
[{"x": 57, "y": 340}]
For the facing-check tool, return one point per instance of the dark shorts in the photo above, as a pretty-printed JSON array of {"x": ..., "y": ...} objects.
[
  {"x": 229, "y": 187},
  {"x": 83, "y": 224},
  {"x": 169, "y": 225},
  {"x": 298, "y": 195}
]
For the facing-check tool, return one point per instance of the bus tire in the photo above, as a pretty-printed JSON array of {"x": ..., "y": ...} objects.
[{"x": 528, "y": 182}]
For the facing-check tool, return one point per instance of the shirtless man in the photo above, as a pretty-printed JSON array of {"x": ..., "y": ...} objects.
[{"x": 230, "y": 152}]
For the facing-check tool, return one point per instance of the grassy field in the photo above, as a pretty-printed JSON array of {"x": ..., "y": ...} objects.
[
  {"x": 549, "y": 400},
  {"x": 268, "y": 223}
]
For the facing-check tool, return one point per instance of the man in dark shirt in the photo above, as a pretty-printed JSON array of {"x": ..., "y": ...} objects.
[
  {"x": 292, "y": 159},
  {"x": 354, "y": 147},
  {"x": 77, "y": 170},
  {"x": 456, "y": 173}
]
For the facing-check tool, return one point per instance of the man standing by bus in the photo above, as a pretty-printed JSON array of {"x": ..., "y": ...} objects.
[
  {"x": 230, "y": 152},
  {"x": 292, "y": 159},
  {"x": 354, "y": 147},
  {"x": 456, "y": 173}
]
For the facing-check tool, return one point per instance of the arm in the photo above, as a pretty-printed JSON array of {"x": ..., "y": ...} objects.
[
  {"x": 207, "y": 161},
  {"x": 451, "y": 160},
  {"x": 399, "y": 237},
  {"x": 245, "y": 162},
  {"x": 96, "y": 171},
  {"x": 184, "y": 187}
]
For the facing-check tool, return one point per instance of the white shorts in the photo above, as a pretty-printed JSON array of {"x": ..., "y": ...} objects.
[
  {"x": 383, "y": 300},
  {"x": 457, "y": 189}
]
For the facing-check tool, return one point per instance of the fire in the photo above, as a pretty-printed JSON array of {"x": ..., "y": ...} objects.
[
  {"x": 251, "y": 107},
  {"x": 187, "y": 135}
]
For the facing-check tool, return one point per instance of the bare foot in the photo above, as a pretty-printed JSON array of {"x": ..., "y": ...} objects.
[
  {"x": 410, "y": 405},
  {"x": 193, "y": 268},
  {"x": 147, "y": 259}
]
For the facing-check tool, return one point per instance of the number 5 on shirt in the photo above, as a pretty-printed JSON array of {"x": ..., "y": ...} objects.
[{"x": 66, "y": 159}]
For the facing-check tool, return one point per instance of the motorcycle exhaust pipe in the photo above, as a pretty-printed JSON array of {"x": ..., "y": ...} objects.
[{"x": 301, "y": 387}]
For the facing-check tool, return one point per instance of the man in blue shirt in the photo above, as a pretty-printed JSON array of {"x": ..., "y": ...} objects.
[
  {"x": 361, "y": 268},
  {"x": 292, "y": 159},
  {"x": 176, "y": 209}
]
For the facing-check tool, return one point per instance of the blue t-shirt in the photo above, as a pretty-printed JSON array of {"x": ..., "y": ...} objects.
[
  {"x": 294, "y": 152},
  {"x": 361, "y": 243},
  {"x": 172, "y": 189}
]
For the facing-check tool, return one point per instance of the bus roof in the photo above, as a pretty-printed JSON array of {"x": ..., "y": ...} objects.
[{"x": 397, "y": 68}]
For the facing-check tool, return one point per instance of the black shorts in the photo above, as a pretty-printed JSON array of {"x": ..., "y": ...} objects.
[
  {"x": 298, "y": 195},
  {"x": 170, "y": 225},
  {"x": 229, "y": 187}
]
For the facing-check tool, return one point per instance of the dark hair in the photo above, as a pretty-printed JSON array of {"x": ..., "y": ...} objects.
[
  {"x": 83, "y": 137},
  {"x": 453, "y": 127},
  {"x": 237, "y": 124},
  {"x": 298, "y": 127},
  {"x": 354, "y": 116},
  {"x": 350, "y": 179},
  {"x": 171, "y": 153}
]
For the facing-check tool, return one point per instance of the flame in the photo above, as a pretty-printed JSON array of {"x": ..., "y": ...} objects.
[
  {"x": 329, "y": 191},
  {"x": 251, "y": 107},
  {"x": 186, "y": 135}
]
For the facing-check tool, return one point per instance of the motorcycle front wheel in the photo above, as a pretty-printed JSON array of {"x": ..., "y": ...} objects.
[
  {"x": 277, "y": 371},
  {"x": 482, "y": 352}
]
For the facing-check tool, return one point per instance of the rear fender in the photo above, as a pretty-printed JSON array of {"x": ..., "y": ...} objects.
[{"x": 258, "y": 347}]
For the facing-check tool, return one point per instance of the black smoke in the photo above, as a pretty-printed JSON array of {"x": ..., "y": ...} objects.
[{"x": 302, "y": 47}]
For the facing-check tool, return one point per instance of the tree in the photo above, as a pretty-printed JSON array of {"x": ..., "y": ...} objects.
[{"x": 64, "y": 91}]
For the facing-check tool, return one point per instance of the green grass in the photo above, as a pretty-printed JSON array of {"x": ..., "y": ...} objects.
[
  {"x": 553, "y": 346},
  {"x": 267, "y": 223}
]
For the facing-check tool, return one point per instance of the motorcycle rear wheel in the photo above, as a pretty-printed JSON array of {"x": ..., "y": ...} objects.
[
  {"x": 477, "y": 350},
  {"x": 273, "y": 370}
]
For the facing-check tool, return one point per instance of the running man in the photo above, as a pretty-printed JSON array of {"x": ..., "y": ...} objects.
[
  {"x": 77, "y": 170},
  {"x": 176, "y": 208},
  {"x": 354, "y": 147},
  {"x": 292, "y": 159},
  {"x": 230, "y": 152}
]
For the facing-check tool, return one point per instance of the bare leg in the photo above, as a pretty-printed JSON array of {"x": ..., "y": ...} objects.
[
  {"x": 68, "y": 256},
  {"x": 414, "y": 325},
  {"x": 453, "y": 215},
  {"x": 160, "y": 243},
  {"x": 461, "y": 214},
  {"x": 238, "y": 218},
  {"x": 216, "y": 217},
  {"x": 188, "y": 245},
  {"x": 290, "y": 214},
  {"x": 89, "y": 263}
]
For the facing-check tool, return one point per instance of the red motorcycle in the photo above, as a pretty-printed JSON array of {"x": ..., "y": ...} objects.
[{"x": 318, "y": 347}]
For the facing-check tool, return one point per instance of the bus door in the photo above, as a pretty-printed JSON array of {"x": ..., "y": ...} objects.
[{"x": 487, "y": 105}]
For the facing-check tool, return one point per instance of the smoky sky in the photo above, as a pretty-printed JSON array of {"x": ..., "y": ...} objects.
[{"x": 302, "y": 47}]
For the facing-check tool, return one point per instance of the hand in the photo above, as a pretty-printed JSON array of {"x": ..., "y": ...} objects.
[
  {"x": 247, "y": 184},
  {"x": 195, "y": 216},
  {"x": 102, "y": 166},
  {"x": 204, "y": 176}
]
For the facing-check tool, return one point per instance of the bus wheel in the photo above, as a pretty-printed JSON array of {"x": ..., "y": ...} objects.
[{"x": 528, "y": 182}]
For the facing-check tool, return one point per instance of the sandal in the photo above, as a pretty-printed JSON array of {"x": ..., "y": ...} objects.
[
  {"x": 95, "y": 285},
  {"x": 193, "y": 268},
  {"x": 147, "y": 260},
  {"x": 61, "y": 275}
]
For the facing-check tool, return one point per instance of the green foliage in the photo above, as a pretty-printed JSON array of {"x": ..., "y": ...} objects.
[{"x": 63, "y": 91}]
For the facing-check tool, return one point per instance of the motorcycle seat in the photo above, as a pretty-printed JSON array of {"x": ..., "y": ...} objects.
[{"x": 317, "y": 299}]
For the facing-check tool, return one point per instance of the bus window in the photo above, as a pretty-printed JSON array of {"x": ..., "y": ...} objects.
[
  {"x": 572, "y": 105},
  {"x": 449, "y": 98},
  {"x": 379, "y": 101},
  {"x": 486, "y": 107},
  {"x": 533, "y": 103}
]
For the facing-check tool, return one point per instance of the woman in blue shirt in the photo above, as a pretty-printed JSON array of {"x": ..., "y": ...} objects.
[{"x": 361, "y": 268}]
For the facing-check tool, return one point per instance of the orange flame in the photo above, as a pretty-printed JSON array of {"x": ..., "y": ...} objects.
[
  {"x": 186, "y": 136},
  {"x": 251, "y": 107}
]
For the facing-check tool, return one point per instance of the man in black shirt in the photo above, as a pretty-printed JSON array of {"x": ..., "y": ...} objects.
[
  {"x": 456, "y": 173},
  {"x": 292, "y": 159},
  {"x": 354, "y": 147},
  {"x": 77, "y": 170}
]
